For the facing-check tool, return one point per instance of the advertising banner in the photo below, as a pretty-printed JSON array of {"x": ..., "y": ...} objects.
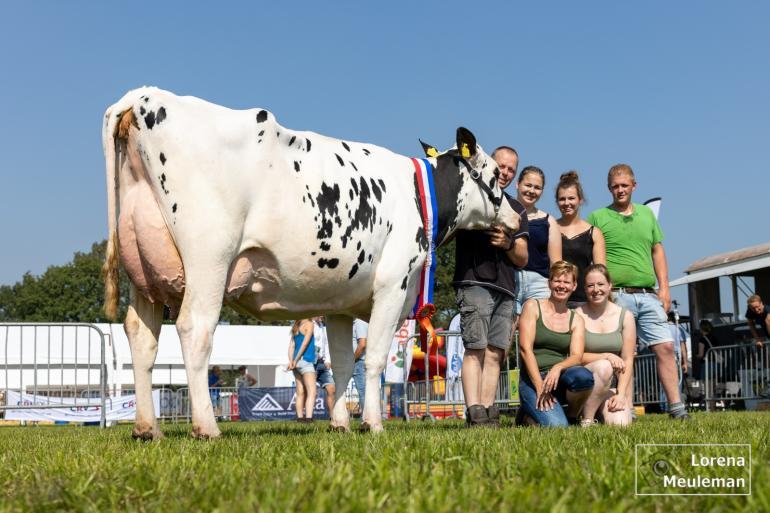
[
  {"x": 275, "y": 403},
  {"x": 118, "y": 408},
  {"x": 400, "y": 353}
]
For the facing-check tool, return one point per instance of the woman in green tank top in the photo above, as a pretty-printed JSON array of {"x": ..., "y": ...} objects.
[
  {"x": 610, "y": 341},
  {"x": 551, "y": 347}
]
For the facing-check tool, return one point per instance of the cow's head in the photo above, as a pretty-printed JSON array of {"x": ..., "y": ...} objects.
[{"x": 468, "y": 194}]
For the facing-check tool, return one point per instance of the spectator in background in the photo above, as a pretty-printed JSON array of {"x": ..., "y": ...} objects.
[
  {"x": 581, "y": 243},
  {"x": 706, "y": 341},
  {"x": 360, "y": 332},
  {"x": 323, "y": 362},
  {"x": 244, "y": 378},
  {"x": 302, "y": 363},
  {"x": 757, "y": 314},
  {"x": 215, "y": 383},
  {"x": 543, "y": 243}
]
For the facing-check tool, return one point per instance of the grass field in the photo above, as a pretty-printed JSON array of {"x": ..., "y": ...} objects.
[{"x": 420, "y": 466}]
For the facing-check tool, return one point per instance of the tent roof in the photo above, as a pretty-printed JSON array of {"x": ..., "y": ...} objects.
[{"x": 727, "y": 264}]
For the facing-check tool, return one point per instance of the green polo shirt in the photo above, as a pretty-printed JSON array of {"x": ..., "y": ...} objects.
[{"x": 629, "y": 241}]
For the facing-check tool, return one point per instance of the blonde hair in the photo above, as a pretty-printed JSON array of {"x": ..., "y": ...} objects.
[
  {"x": 754, "y": 298},
  {"x": 561, "y": 268},
  {"x": 620, "y": 169}
]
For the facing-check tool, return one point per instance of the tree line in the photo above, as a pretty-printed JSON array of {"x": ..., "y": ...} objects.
[{"x": 74, "y": 292}]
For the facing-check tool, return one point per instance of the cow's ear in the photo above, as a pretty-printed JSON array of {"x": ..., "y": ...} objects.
[
  {"x": 430, "y": 151},
  {"x": 466, "y": 142}
]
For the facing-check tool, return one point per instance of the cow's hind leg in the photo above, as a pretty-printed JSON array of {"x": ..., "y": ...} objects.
[
  {"x": 382, "y": 326},
  {"x": 198, "y": 318},
  {"x": 142, "y": 326},
  {"x": 339, "y": 329}
]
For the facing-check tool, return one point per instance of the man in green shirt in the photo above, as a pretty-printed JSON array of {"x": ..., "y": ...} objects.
[{"x": 636, "y": 259}]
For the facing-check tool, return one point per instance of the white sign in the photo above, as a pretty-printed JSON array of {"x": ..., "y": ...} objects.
[
  {"x": 118, "y": 408},
  {"x": 400, "y": 353}
]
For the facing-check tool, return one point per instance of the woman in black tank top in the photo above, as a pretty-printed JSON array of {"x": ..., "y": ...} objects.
[{"x": 582, "y": 244}]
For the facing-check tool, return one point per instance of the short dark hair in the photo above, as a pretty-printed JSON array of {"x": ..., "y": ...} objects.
[{"x": 507, "y": 148}]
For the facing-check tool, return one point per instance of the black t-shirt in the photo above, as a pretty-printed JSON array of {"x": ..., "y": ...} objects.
[
  {"x": 477, "y": 262},
  {"x": 759, "y": 319}
]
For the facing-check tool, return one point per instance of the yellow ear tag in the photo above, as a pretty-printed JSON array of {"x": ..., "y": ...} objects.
[
  {"x": 465, "y": 152},
  {"x": 431, "y": 152}
]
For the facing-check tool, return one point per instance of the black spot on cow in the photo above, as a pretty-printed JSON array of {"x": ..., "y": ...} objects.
[
  {"x": 448, "y": 182},
  {"x": 259, "y": 141},
  {"x": 382, "y": 185},
  {"x": 361, "y": 257},
  {"x": 354, "y": 166},
  {"x": 162, "y": 159},
  {"x": 371, "y": 257},
  {"x": 330, "y": 263},
  {"x": 311, "y": 199},
  {"x": 327, "y": 205},
  {"x": 312, "y": 253},
  {"x": 308, "y": 144},
  {"x": 350, "y": 192},
  {"x": 421, "y": 239},
  {"x": 296, "y": 166},
  {"x": 278, "y": 134},
  {"x": 261, "y": 116},
  {"x": 364, "y": 217},
  {"x": 146, "y": 98},
  {"x": 376, "y": 190},
  {"x": 354, "y": 185},
  {"x": 293, "y": 138},
  {"x": 353, "y": 271},
  {"x": 492, "y": 182},
  {"x": 339, "y": 159},
  {"x": 173, "y": 208},
  {"x": 325, "y": 246},
  {"x": 358, "y": 246},
  {"x": 366, "y": 152},
  {"x": 345, "y": 145},
  {"x": 403, "y": 283},
  {"x": 304, "y": 199},
  {"x": 163, "y": 182},
  {"x": 142, "y": 112},
  {"x": 338, "y": 221},
  {"x": 161, "y": 115},
  {"x": 149, "y": 120},
  {"x": 261, "y": 133}
]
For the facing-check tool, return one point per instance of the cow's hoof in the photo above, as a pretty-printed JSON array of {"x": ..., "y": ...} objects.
[
  {"x": 204, "y": 434},
  {"x": 371, "y": 428},
  {"x": 146, "y": 432},
  {"x": 339, "y": 429}
]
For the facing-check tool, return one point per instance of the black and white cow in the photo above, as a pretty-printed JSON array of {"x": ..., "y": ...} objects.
[{"x": 223, "y": 205}]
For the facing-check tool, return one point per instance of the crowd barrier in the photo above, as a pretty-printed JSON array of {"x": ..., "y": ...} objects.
[
  {"x": 738, "y": 372},
  {"x": 48, "y": 365}
]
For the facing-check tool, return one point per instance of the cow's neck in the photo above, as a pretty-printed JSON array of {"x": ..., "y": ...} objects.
[{"x": 448, "y": 180}]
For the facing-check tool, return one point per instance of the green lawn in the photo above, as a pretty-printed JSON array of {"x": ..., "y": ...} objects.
[{"x": 420, "y": 466}]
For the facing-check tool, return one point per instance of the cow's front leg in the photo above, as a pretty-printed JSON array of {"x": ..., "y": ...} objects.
[
  {"x": 142, "y": 327},
  {"x": 383, "y": 322},
  {"x": 339, "y": 329},
  {"x": 197, "y": 321}
]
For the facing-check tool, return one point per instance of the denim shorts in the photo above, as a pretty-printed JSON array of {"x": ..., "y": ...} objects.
[
  {"x": 323, "y": 375},
  {"x": 530, "y": 285},
  {"x": 651, "y": 319},
  {"x": 304, "y": 367},
  {"x": 573, "y": 379},
  {"x": 486, "y": 317}
]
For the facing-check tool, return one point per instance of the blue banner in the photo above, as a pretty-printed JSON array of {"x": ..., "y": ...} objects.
[{"x": 275, "y": 403}]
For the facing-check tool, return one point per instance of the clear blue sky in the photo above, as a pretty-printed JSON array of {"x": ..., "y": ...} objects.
[{"x": 680, "y": 90}]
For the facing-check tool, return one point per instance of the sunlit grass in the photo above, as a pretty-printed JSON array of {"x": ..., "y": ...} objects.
[{"x": 418, "y": 466}]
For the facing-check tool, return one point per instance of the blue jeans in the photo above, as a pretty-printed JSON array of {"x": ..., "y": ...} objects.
[
  {"x": 530, "y": 285},
  {"x": 573, "y": 379},
  {"x": 359, "y": 379},
  {"x": 651, "y": 319}
]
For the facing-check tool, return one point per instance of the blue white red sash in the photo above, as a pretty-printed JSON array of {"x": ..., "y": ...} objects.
[{"x": 424, "y": 306}]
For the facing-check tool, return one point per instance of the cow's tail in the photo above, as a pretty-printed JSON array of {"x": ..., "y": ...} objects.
[{"x": 115, "y": 130}]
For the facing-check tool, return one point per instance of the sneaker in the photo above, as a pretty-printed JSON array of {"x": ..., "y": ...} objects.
[
  {"x": 476, "y": 415},
  {"x": 493, "y": 416},
  {"x": 586, "y": 423}
]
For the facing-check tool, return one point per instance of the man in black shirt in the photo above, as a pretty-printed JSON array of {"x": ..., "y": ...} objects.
[{"x": 486, "y": 286}]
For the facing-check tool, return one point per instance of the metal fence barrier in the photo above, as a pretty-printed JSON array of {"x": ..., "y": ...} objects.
[
  {"x": 51, "y": 361},
  {"x": 738, "y": 372}
]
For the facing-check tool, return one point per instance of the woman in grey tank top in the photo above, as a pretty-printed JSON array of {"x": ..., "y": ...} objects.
[{"x": 610, "y": 341}]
